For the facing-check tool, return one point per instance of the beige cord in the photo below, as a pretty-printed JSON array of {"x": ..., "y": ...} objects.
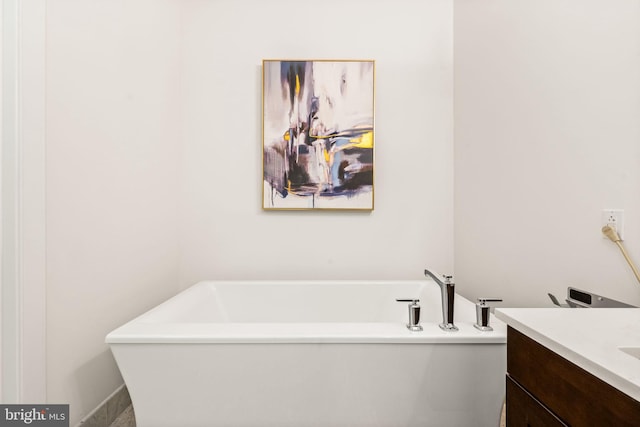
[{"x": 611, "y": 233}]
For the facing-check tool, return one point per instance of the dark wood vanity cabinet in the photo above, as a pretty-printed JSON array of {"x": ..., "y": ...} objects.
[{"x": 546, "y": 390}]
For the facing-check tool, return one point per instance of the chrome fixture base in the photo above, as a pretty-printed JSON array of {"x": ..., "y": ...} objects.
[
  {"x": 414, "y": 328},
  {"x": 449, "y": 327},
  {"x": 482, "y": 328}
]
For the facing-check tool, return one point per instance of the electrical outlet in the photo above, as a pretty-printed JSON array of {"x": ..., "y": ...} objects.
[{"x": 615, "y": 219}]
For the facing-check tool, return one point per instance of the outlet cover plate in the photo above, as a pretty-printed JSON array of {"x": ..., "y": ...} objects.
[{"x": 614, "y": 218}]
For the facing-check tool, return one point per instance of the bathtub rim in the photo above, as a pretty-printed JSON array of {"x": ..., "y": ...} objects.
[{"x": 136, "y": 331}]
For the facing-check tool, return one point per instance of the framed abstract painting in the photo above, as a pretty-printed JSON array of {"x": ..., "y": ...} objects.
[{"x": 318, "y": 134}]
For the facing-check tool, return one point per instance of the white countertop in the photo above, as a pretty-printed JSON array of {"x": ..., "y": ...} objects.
[{"x": 589, "y": 337}]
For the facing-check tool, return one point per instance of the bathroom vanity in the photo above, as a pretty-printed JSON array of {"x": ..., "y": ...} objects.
[{"x": 572, "y": 367}]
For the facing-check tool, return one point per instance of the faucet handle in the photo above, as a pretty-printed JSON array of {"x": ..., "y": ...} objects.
[
  {"x": 483, "y": 313},
  {"x": 484, "y": 301},
  {"x": 414, "y": 314}
]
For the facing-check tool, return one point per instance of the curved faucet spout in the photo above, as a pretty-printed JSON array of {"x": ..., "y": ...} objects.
[
  {"x": 447, "y": 289},
  {"x": 433, "y": 276}
]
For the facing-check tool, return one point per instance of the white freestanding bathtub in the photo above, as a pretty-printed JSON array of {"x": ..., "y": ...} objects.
[{"x": 310, "y": 353}]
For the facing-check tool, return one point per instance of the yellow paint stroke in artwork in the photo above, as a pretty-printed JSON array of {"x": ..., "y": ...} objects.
[
  {"x": 297, "y": 85},
  {"x": 287, "y": 136},
  {"x": 363, "y": 141},
  {"x": 326, "y": 154}
]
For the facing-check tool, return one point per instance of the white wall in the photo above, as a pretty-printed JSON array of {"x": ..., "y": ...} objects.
[
  {"x": 547, "y": 134},
  {"x": 113, "y": 102},
  {"x": 154, "y": 141},
  {"x": 154, "y": 149},
  {"x": 224, "y": 232}
]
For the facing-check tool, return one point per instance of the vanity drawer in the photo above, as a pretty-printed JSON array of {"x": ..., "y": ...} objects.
[
  {"x": 575, "y": 396},
  {"x": 523, "y": 410}
]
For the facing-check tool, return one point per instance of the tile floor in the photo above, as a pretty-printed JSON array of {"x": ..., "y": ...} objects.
[{"x": 126, "y": 419}]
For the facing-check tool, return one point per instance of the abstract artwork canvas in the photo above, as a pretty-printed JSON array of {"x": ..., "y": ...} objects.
[{"x": 318, "y": 134}]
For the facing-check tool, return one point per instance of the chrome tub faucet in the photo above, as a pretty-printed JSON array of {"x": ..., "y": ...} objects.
[
  {"x": 447, "y": 289},
  {"x": 414, "y": 314}
]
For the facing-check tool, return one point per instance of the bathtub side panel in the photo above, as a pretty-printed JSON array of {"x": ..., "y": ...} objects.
[{"x": 314, "y": 385}]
